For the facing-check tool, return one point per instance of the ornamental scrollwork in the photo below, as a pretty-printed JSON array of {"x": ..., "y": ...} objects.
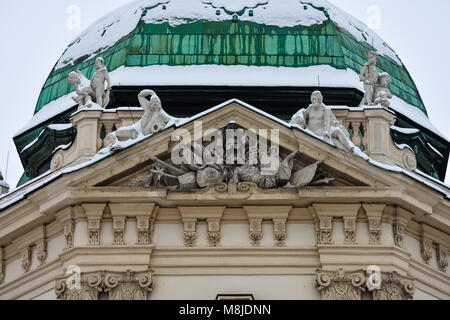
[
  {"x": 344, "y": 285},
  {"x": 127, "y": 285}
]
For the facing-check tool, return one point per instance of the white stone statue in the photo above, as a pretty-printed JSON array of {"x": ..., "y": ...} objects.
[
  {"x": 320, "y": 119},
  {"x": 4, "y": 187},
  {"x": 154, "y": 120},
  {"x": 369, "y": 76},
  {"x": 382, "y": 93},
  {"x": 94, "y": 91}
]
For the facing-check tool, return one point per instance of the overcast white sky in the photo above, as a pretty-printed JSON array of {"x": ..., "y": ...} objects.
[{"x": 34, "y": 34}]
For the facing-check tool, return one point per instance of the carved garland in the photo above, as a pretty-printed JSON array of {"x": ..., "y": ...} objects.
[{"x": 118, "y": 286}]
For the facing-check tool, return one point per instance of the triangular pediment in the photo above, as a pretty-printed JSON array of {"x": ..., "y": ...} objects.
[{"x": 132, "y": 168}]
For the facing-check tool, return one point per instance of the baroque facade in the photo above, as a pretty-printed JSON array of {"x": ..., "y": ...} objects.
[{"x": 349, "y": 213}]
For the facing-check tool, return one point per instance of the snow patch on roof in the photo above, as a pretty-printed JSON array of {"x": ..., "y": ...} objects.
[
  {"x": 235, "y": 5},
  {"x": 4, "y": 184},
  {"x": 405, "y": 130},
  {"x": 22, "y": 191},
  {"x": 108, "y": 30},
  {"x": 235, "y": 76},
  {"x": 357, "y": 28},
  {"x": 60, "y": 126}
]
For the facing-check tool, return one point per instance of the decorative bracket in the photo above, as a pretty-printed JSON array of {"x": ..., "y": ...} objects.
[
  {"x": 374, "y": 213},
  {"x": 94, "y": 213}
]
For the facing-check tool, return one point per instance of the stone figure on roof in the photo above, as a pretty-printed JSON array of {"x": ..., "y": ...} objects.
[
  {"x": 369, "y": 76},
  {"x": 154, "y": 120},
  {"x": 93, "y": 91},
  {"x": 382, "y": 93},
  {"x": 320, "y": 120}
]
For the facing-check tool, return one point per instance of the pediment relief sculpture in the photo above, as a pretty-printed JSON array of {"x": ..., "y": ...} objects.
[{"x": 256, "y": 171}]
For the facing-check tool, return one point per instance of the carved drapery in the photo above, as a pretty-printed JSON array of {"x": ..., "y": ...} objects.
[
  {"x": 374, "y": 231},
  {"x": 119, "y": 230},
  {"x": 69, "y": 230},
  {"x": 279, "y": 232},
  {"x": 255, "y": 226},
  {"x": 442, "y": 259},
  {"x": 42, "y": 253},
  {"x": 426, "y": 247},
  {"x": 25, "y": 255},
  {"x": 324, "y": 230},
  {"x": 349, "y": 231},
  {"x": 144, "y": 230},
  {"x": 2, "y": 266},
  {"x": 117, "y": 285},
  {"x": 344, "y": 285},
  {"x": 214, "y": 234},
  {"x": 94, "y": 231},
  {"x": 190, "y": 232}
]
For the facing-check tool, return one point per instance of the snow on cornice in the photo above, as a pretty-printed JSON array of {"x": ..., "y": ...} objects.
[
  {"x": 23, "y": 191},
  {"x": 236, "y": 76},
  {"x": 108, "y": 30}
]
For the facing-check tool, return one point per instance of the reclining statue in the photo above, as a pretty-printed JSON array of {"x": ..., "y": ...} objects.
[
  {"x": 320, "y": 120},
  {"x": 154, "y": 120}
]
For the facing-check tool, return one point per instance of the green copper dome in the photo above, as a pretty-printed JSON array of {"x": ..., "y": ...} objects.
[
  {"x": 227, "y": 38},
  {"x": 271, "y": 53}
]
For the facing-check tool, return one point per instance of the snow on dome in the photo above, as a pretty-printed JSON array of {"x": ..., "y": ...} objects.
[
  {"x": 108, "y": 30},
  {"x": 235, "y": 5}
]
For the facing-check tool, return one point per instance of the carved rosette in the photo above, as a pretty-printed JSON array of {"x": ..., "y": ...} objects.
[
  {"x": 340, "y": 285},
  {"x": 442, "y": 259},
  {"x": 190, "y": 232},
  {"x": 255, "y": 231},
  {"x": 94, "y": 231},
  {"x": 426, "y": 246},
  {"x": 279, "y": 232},
  {"x": 118, "y": 285},
  {"x": 394, "y": 287},
  {"x": 350, "y": 231},
  {"x": 324, "y": 230},
  {"x": 69, "y": 230},
  {"x": 42, "y": 253},
  {"x": 25, "y": 255},
  {"x": 214, "y": 234},
  {"x": 374, "y": 231}
]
